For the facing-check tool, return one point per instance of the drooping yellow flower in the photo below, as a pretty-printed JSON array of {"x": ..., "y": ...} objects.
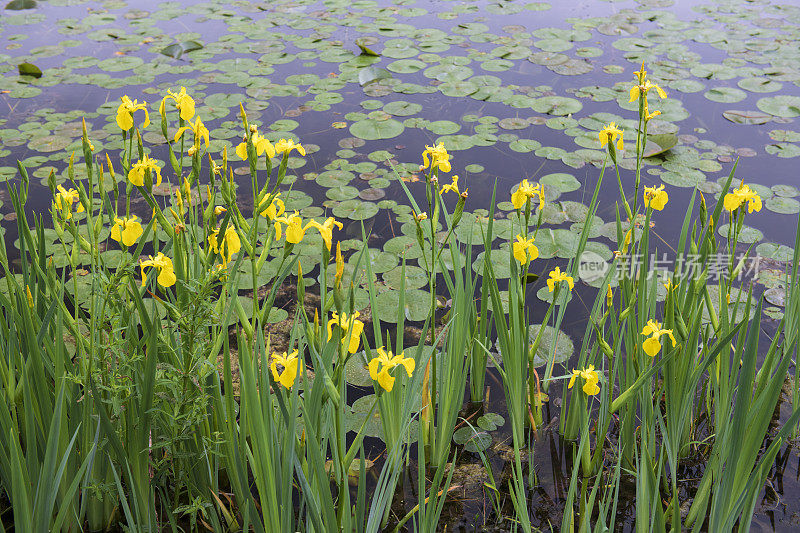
[
  {"x": 386, "y": 361},
  {"x": 290, "y": 364},
  {"x": 422, "y": 216},
  {"x": 62, "y": 203},
  {"x": 275, "y": 209},
  {"x": 286, "y": 146},
  {"x": 261, "y": 144},
  {"x": 351, "y": 329},
  {"x": 652, "y": 345},
  {"x": 609, "y": 134},
  {"x": 166, "y": 272},
  {"x": 556, "y": 276},
  {"x": 138, "y": 170},
  {"x": 126, "y": 230},
  {"x": 524, "y": 250},
  {"x": 326, "y": 229},
  {"x": 590, "y": 380},
  {"x": 218, "y": 210},
  {"x": 230, "y": 243},
  {"x": 439, "y": 158},
  {"x": 125, "y": 113},
  {"x": 200, "y": 132},
  {"x": 295, "y": 231},
  {"x": 734, "y": 200},
  {"x": 655, "y": 197},
  {"x": 451, "y": 186},
  {"x": 526, "y": 191},
  {"x": 644, "y": 88},
  {"x": 183, "y": 102}
]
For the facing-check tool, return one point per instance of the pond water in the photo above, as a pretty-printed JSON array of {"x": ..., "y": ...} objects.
[{"x": 515, "y": 89}]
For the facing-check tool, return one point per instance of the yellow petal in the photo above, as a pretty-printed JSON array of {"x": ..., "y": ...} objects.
[{"x": 651, "y": 346}]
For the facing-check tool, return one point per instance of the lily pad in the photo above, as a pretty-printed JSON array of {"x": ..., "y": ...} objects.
[
  {"x": 373, "y": 129},
  {"x": 784, "y": 105},
  {"x": 472, "y": 439},
  {"x": 564, "y": 345}
]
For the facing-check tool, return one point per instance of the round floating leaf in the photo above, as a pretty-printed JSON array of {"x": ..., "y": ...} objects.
[
  {"x": 572, "y": 67},
  {"x": 356, "y": 371},
  {"x": 16, "y": 5},
  {"x": 747, "y": 235},
  {"x": 771, "y": 250},
  {"x": 783, "y": 149},
  {"x": 658, "y": 144},
  {"x": 490, "y": 421},
  {"x": 735, "y": 295},
  {"x": 401, "y": 108},
  {"x": 457, "y": 89},
  {"x": 443, "y": 127},
  {"x": 406, "y": 66},
  {"x": 776, "y": 296},
  {"x": 524, "y": 145},
  {"x": 760, "y": 85},
  {"x": 725, "y": 95},
  {"x": 786, "y": 191},
  {"x": 784, "y": 105},
  {"x": 472, "y": 440},
  {"x": 355, "y": 210},
  {"x": 49, "y": 143},
  {"x": 561, "y": 181},
  {"x": 556, "y": 105},
  {"x": 415, "y": 277},
  {"x": 557, "y": 243},
  {"x": 783, "y": 205},
  {"x": 373, "y": 129},
  {"x": 29, "y": 69},
  {"x": 550, "y": 335},
  {"x": 417, "y": 305}
]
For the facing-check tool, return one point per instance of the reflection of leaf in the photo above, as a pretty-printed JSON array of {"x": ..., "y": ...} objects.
[
  {"x": 176, "y": 50},
  {"x": 370, "y": 74},
  {"x": 29, "y": 69},
  {"x": 365, "y": 50},
  {"x": 657, "y": 144},
  {"x": 17, "y": 5}
]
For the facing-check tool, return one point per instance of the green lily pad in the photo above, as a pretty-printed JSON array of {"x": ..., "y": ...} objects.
[
  {"x": 747, "y": 235},
  {"x": 355, "y": 210},
  {"x": 783, "y": 149},
  {"x": 490, "y": 421},
  {"x": 561, "y": 181},
  {"x": 49, "y": 143},
  {"x": 775, "y": 251},
  {"x": 29, "y": 69},
  {"x": 760, "y": 85},
  {"x": 784, "y": 105},
  {"x": 17, "y": 5},
  {"x": 372, "y": 129},
  {"x": 417, "y": 305},
  {"x": 356, "y": 371},
  {"x": 472, "y": 440},
  {"x": 443, "y": 127},
  {"x": 557, "y": 243},
  {"x": 736, "y": 295},
  {"x": 556, "y": 105},
  {"x": 783, "y": 205},
  {"x": 658, "y": 144},
  {"x": 564, "y": 345},
  {"x": 406, "y": 66},
  {"x": 401, "y": 108},
  {"x": 725, "y": 95}
]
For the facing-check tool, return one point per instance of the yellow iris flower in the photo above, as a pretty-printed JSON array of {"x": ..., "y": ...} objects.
[
  {"x": 526, "y": 191},
  {"x": 609, "y": 134},
  {"x": 274, "y": 209},
  {"x": 295, "y": 231},
  {"x": 183, "y": 102},
  {"x": 125, "y": 113},
  {"x": 261, "y": 144},
  {"x": 200, "y": 132},
  {"x": 326, "y": 229},
  {"x": 63, "y": 201},
  {"x": 524, "y": 250},
  {"x": 556, "y": 276},
  {"x": 451, "y": 186},
  {"x": 652, "y": 345},
  {"x": 290, "y": 364},
  {"x": 655, "y": 197},
  {"x": 284, "y": 146},
  {"x": 229, "y": 246},
  {"x": 351, "y": 329},
  {"x": 126, "y": 230},
  {"x": 386, "y": 361},
  {"x": 744, "y": 193},
  {"x": 138, "y": 170},
  {"x": 644, "y": 88},
  {"x": 439, "y": 158},
  {"x": 590, "y": 380},
  {"x": 166, "y": 272}
]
